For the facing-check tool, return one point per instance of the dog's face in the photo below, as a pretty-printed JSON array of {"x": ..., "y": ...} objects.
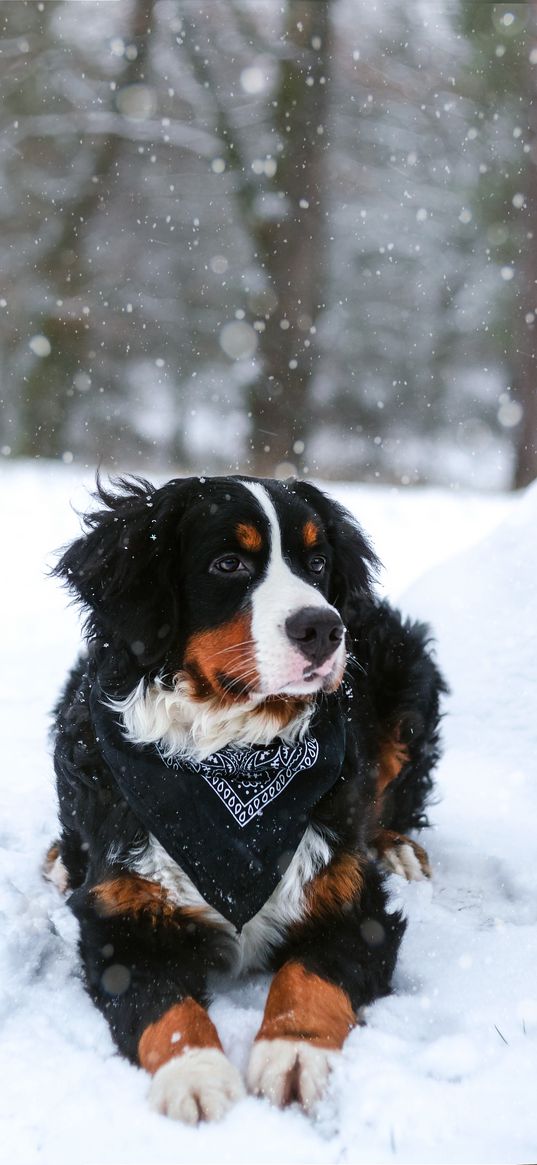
[
  {"x": 256, "y": 579},
  {"x": 240, "y": 583}
]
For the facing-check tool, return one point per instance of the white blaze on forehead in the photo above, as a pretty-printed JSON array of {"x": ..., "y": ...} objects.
[
  {"x": 279, "y": 579},
  {"x": 279, "y": 595}
]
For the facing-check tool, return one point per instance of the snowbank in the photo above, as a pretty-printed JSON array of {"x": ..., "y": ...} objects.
[{"x": 445, "y": 1070}]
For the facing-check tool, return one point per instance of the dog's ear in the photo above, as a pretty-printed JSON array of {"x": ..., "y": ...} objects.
[
  {"x": 122, "y": 569},
  {"x": 355, "y": 563}
]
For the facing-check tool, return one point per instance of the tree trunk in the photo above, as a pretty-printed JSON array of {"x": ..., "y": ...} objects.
[
  {"x": 44, "y": 413},
  {"x": 290, "y": 238},
  {"x": 526, "y": 454}
]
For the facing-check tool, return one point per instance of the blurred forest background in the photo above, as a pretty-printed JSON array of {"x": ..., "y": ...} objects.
[{"x": 271, "y": 235}]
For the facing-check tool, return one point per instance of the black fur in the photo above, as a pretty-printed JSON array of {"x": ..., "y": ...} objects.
[{"x": 140, "y": 572}]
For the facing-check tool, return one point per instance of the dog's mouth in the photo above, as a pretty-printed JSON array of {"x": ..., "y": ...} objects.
[
  {"x": 313, "y": 680},
  {"x": 319, "y": 671},
  {"x": 325, "y": 677}
]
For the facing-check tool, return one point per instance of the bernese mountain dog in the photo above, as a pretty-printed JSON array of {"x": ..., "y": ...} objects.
[{"x": 240, "y": 753}]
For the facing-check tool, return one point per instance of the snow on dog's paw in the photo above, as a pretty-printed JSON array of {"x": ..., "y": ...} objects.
[
  {"x": 408, "y": 859},
  {"x": 287, "y": 1070},
  {"x": 201, "y": 1084}
]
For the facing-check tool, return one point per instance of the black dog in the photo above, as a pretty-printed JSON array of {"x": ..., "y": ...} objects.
[{"x": 248, "y": 738}]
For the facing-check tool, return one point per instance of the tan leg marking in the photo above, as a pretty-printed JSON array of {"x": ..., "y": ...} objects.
[
  {"x": 305, "y": 1024},
  {"x": 393, "y": 757},
  {"x": 184, "y": 1027},
  {"x": 132, "y": 894},
  {"x": 336, "y": 886},
  {"x": 51, "y": 856},
  {"x": 302, "y": 1006},
  {"x": 192, "y": 1080}
]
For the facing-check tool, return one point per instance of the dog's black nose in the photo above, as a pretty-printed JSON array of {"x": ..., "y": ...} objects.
[{"x": 316, "y": 632}]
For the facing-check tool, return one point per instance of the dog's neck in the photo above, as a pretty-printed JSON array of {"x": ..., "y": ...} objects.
[{"x": 184, "y": 724}]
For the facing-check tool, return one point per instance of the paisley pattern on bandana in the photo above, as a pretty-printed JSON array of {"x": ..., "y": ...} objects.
[{"x": 248, "y": 779}]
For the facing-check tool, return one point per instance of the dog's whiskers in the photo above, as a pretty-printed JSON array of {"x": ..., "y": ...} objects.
[
  {"x": 354, "y": 662},
  {"x": 233, "y": 647}
]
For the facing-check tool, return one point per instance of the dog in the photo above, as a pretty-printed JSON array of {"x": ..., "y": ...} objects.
[{"x": 240, "y": 753}]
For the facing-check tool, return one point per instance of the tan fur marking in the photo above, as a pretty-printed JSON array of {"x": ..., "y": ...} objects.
[
  {"x": 393, "y": 755},
  {"x": 310, "y": 534},
  {"x": 186, "y": 1025},
  {"x": 132, "y": 894},
  {"x": 51, "y": 856},
  {"x": 248, "y": 537},
  {"x": 302, "y": 1006},
  {"x": 225, "y": 649},
  {"x": 337, "y": 885},
  {"x": 284, "y": 709}
]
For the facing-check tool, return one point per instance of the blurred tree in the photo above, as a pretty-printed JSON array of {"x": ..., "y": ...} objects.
[
  {"x": 501, "y": 81},
  {"x": 92, "y": 300},
  {"x": 281, "y": 198},
  {"x": 526, "y": 462},
  {"x": 410, "y": 280},
  {"x": 64, "y": 265},
  {"x": 291, "y": 241},
  {"x": 193, "y": 271}
]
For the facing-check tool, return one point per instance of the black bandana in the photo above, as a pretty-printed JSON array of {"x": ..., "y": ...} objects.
[{"x": 233, "y": 820}]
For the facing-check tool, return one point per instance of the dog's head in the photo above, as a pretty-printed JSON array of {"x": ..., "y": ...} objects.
[{"x": 241, "y": 583}]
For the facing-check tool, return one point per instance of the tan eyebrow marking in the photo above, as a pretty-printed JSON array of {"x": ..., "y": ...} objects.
[
  {"x": 310, "y": 533},
  {"x": 248, "y": 537}
]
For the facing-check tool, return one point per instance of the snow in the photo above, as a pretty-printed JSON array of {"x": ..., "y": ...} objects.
[{"x": 445, "y": 1070}]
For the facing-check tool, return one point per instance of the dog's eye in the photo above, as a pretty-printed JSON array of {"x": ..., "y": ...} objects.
[
  {"x": 317, "y": 564},
  {"x": 229, "y": 564}
]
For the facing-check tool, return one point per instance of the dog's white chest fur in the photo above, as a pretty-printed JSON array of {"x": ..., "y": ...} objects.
[{"x": 285, "y": 906}]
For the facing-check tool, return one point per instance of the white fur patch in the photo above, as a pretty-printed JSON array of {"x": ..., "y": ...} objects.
[
  {"x": 280, "y": 665},
  {"x": 197, "y": 728},
  {"x": 287, "y": 1070},
  {"x": 264, "y": 931},
  {"x": 286, "y": 903},
  {"x": 201, "y": 1084}
]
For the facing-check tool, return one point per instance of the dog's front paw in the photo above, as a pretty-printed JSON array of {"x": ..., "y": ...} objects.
[
  {"x": 287, "y": 1070},
  {"x": 401, "y": 855},
  {"x": 408, "y": 859},
  {"x": 201, "y": 1084}
]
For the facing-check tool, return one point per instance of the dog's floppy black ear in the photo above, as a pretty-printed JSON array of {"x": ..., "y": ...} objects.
[
  {"x": 122, "y": 569},
  {"x": 355, "y": 563}
]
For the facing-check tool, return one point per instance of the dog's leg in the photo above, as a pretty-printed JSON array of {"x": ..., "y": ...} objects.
[
  {"x": 397, "y": 852},
  {"x": 146, "y": 964},
  {"x": 339, "y": 959},
  {"x": 306, "y": 1020},
  {"x": 192, "y": 1078}
]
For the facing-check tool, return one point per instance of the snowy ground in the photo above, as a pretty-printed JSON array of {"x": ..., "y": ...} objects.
[{"x": 446, "y": 1069}]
